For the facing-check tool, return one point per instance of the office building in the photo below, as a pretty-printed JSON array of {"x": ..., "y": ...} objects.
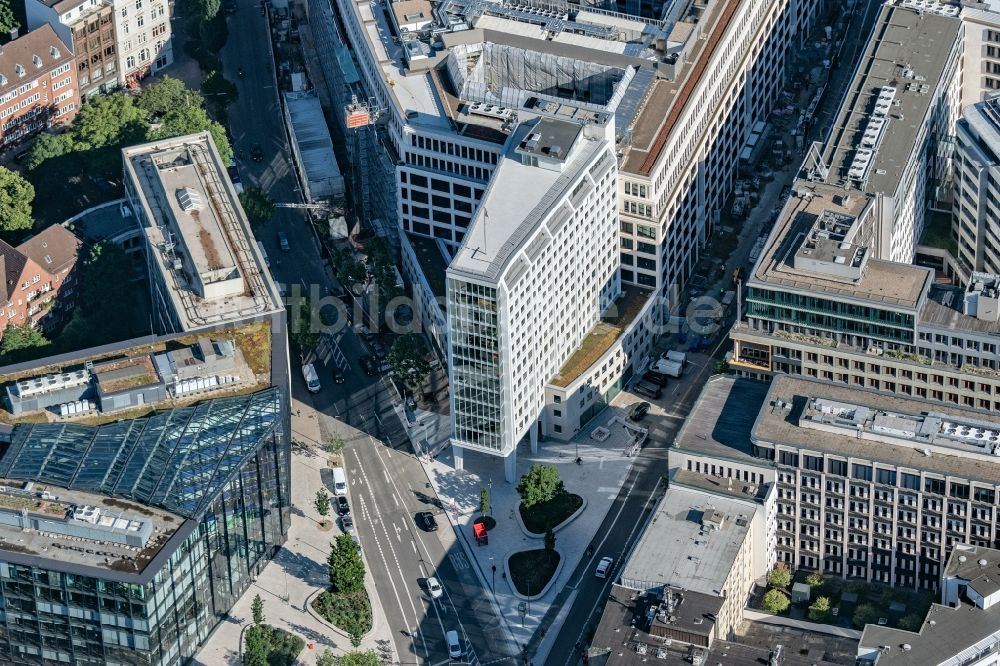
[
  {"x": 38, "y": 279},
  {"x": 964, "y": 628},
  {"x": 981, "y": 49},
  {"x": 37, "y": 86},
  {"x": 205, "y": 267},
  {"x": 976, "y": 216},
  {"x": 127, "y": 543}
]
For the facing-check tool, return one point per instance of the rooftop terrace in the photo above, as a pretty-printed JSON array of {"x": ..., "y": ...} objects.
[
  {"x": 603, "y": 335},
  {"x": 792, "y": 424}
]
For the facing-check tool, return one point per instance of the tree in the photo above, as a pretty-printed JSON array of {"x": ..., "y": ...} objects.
[
  {"x": 780, "y": 577},
  {"x": 775, "y": 601},
  {"x": 540, "y": 484},
  {"x": 334, "y": 444},
  {"x": 257, "y": 608},
  {"x": 49, "y": 146},
  {"x": 408, "y": 359},
  {"x": 382, "y": 268},
  {"x": 109, "y": 120},
  {"x": 910, "y": 622},
  {"x": 16, "y": 195},
  {"x": 104, "y": 286},
  {"x": 17, "y": 338},
  {"x": 219, "y": 92},
  {"x": 166, "y": 95},
  {"x": 347, "y": 570},
  {"x": 322, "y": 503},
  {"x": 865, "y": 614},
  {"x": 355, "y": 636},
  {"x": 257, "y": 205},
  {"x": 814, "y": 579},
  {"x": 349, "y": 270},
  {"x": 819, "y": 609},
  {"x": 303, "y": 328},
  {"x": 8, "y": 21},
  {"x": 256, "y": 648},
  {"x": 368, "y": 658},
  {"x": 550, "y": 541},
  {"x": 484, "y": 501},
  {"x": 191, "y": 120}
]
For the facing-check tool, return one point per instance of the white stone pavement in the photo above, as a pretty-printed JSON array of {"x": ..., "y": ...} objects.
[
  {"x": 297, "y": 572},
  {"x": 598, "y": 480}
]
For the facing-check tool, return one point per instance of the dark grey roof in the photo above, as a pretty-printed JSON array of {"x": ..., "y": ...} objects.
[
  {"x": 976, "y": 564},
  {"x": 722, "y": 419},
  {"x": 944, "y": 634}
]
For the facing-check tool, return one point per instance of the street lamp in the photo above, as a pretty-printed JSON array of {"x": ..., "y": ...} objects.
[
  {"x": 490, "y": 485},
  {"x": 494, "y": 568}
]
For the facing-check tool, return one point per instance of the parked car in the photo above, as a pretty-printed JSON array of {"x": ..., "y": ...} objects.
[
  {"x": 283, "y": 242},
  {"x": 604, "y": 567},
  {"x": 343, "y": 508},
  {"x": 234, "y": 177},
  {"x": 454, "y": 647},
  {"x": 434, "y": 587},
  {"x": 657, "y": 378},
  {"x": 256, "y": 153},
  {"x": 648, "y": 389},
  {"x": 369, "y": 365},
  {"x": 638, "y": 411},
  {"x": 338, "y": 376},
  {"x": 426, "y": 520},
  {"x": 347, "y": 523}
]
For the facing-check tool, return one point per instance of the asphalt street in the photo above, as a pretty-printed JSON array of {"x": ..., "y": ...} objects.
[{"x": 388, "y": 486}]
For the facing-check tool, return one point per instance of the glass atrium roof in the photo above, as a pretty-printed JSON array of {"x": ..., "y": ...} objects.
[{"x": 177, "y": 459}]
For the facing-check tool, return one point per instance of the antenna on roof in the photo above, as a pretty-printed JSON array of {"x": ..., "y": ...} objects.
[{"x": 486, "y": 220}]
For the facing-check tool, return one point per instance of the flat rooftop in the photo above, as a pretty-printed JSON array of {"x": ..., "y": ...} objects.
[
  {"x": 978, "y": 565},
  {"x": 504, "y": 222},
  {"x": 433, "y": 263},
  {"x": 197, "y": 232},
  {"x": 940, "y": 310},
  {"x": 678, "y": 549},
  {"x": 721, "y": 421},
  {"x": 621, "y": 640},
  {"x": 57, "y": 537},
  {"x": 907, "y": 52},
  {"x": 603, "y": 335},
  {"x": 782, "y": 425},
  {"x": 881, "y": 283}
]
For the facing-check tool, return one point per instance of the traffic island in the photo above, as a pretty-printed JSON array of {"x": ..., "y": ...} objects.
[
  {"x": 277, "y": 646},
  {"x": 550, "y": 514},
  {"x": 350, "y": 612},
  {"x": 532, "y": 571}
]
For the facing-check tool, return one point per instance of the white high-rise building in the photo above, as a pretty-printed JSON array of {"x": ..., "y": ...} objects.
[
  {"x": 538, "y": 268},
  {"x": 976, "y": 221}
]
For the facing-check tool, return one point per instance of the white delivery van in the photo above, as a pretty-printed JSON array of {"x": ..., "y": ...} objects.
[
  {"x": 312, "y": 379},
  {"x": 339, "y": 482},
  {"x": 666, "y": 367},
  {"x": 678, "y": 356}
]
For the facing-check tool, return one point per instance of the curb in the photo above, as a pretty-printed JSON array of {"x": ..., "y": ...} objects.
[
  {"x": 555, "y": 577},
  {"x": 565, "y": 523}
]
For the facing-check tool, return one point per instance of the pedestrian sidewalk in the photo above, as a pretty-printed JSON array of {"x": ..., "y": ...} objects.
[
  {"x": 598, "y": 480},
  {"x": 298, "y": 572}
]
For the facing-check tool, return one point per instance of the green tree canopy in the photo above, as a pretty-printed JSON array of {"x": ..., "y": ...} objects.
[
  {"x": 304, "y": 326},
  {"x": 257, "y": 609},
  {"x": 819, "y": 609},
  {"x": 775, "y": 601},
  {"x": 256, "y": 648},
  {"x": 910, "y": 622},
  {"x": 257, "y": 205},
  {"x": 865, "y": 614},
  {"x": 780, "y": 577},
  {"x": 484, "y": 501},
  {"x": 16, "y": 195},
  {"x": 166, "y": 95},
  {"x": 219, "y": 91},
  {"x": 48, "y": 146},
  {"x": 815, "y": 579},
  {"x": 109, "y": 120},
  {"x": 334, "y": 444},
  {"x": 347, "y": 570},
  {"x": 190, "y": 120},
  {"x": 350, "y": 271},
  {"x": 8, "y": 21},
  {"x": 99, "y": 316},
  {"x": 540, "y": 484},
  {"x": 408, "y": 358},
  {"x": 367, "y": 658},
  {"x": 322, "y": 503},
  {"x": 18, "y": 338}
]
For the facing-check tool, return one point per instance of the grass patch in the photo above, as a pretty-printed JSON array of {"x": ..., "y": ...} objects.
[
  {"x": 349, "y": 612},
  {"x": 255, "y": 343},
  {"x": 531, "y": 570},
  {"x": 549, "y": 514},
  {"x": 283, "y": 647}
]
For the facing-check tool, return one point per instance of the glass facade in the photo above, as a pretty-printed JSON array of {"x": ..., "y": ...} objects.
[
  {"x": 831, "y": 315},
  {"x": 477, "y": 376},
  {"x": 237, "y": 492}
]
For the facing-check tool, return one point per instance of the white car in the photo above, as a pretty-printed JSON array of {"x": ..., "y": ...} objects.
[
  {"x": 434, "y": 587},
  {"x": 603, "y": 567}
]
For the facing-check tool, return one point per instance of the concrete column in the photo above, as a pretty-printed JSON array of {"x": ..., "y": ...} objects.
[
  {"x": 510, "y": 467},
  {"x": 533, "y": 437},
  {"x": 458, "y": 455}
]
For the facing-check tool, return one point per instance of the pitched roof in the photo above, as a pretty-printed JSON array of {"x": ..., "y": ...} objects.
[
  {"x": 11, "y": 266},
  {"x": 54, "y": 248},
  {"x": 20, "y": 53}
]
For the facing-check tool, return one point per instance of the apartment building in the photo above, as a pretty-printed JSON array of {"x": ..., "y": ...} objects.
[
  {"x": 116, "y": 42},
  {"x": 37, "y": 86},
  {"x": 976, "y": 208},
  {"x": 963, "y": 629},
  {"x": 38, "y": 282},
  {"x": 981, "y": 49},
  {"x": 533, "y": 277},
  {"x": 205, "y": 267}
]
